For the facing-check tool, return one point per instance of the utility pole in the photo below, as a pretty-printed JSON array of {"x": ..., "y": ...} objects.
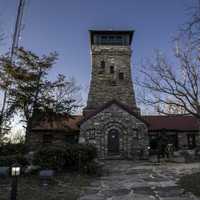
[{"x": 14, "y": 46}]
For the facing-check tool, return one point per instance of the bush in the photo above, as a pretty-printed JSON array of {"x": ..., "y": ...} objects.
[
  {"x": 50, "y": 158},
  {"x": 12, "y": 159},
  {"x": 70, "y": 157},
  {"x": 93, "y": 168},
  {"x": 12, "y": 149},
  {"x": 79, "y": 154}
]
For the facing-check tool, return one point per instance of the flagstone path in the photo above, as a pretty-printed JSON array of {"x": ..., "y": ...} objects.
[{"x": 127, "y": 180}]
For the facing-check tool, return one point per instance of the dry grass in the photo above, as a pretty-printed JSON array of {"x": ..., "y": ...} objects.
[
  {"x": 62, "y": 187},
  {"x": 191, "y": 183}
]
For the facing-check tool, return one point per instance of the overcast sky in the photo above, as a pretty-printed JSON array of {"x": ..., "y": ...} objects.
[{"x": 62, "y": 26}]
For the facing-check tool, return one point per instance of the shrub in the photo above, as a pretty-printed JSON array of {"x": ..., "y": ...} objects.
[
  {"x": 50, "y": 158},
  {"x": 78, "y": 155},
  {"x": 93, "y": 168},
  {"x": 12, "y": 149},
  {"x": 12, "y": 159},
  {"x": 70, "y": 157}
]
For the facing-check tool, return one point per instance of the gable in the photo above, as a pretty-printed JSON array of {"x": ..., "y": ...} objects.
[{"x": 109, "y": 105}]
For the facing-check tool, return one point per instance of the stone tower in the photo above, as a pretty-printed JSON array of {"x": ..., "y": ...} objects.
[
  {"x": 111, "y": 120},
  {"x": 111, "y": 69}
]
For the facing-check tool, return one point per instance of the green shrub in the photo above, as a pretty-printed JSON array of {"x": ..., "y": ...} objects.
[
  {"x": 93, "y": 168},
  {"x": 12, "y": 149},
  {"x": 71, "y": 157},
  {"x": 50, "y": 158},
  {"x": 78, "y": 155},
  {"x": 12, "y": 159}
]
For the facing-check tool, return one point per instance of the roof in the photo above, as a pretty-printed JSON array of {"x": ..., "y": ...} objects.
[
  {"x": 172, "y": 122},
  {"x": 93, "y": 32},
  {"x": 155, "y": 122},
  {"x": 108, "y": 104},
  {"x": 62, "y": 123}
]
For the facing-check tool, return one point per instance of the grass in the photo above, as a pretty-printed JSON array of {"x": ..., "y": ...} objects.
[
  {"x": 191, "y": 183},
  {"x": 61, "y": 187}
]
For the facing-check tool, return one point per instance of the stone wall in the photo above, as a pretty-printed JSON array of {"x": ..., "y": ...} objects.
[
  {"x": 133, "y": 133},
  {"x": 106, "y": 86}
]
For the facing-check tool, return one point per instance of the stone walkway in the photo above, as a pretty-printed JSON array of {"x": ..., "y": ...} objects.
[{"x": 127, "y": 180}]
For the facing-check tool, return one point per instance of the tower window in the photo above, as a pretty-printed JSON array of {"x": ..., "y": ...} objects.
[
  {"x": 121, "y": 76},
  {"x": 103, "y": 64},
  {"x": 102, "y": 67},
  {"x": 112, "y": 70}
]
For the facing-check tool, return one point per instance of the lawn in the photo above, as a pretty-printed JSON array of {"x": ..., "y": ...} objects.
[
  {"x": 191, "y": 183},
  {"x": 62, "y": 187}
]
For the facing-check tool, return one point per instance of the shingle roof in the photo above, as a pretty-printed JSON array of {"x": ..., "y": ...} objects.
[
  {"x": 62, "y": 123},
  {"x": 155, "y": 122},
  {"x": 172, "y": 122}
]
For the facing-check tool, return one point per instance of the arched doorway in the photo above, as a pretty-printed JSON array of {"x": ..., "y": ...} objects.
[{"x": 113, "y": 142}]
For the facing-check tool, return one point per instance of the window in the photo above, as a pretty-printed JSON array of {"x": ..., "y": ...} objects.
[
  {"x": 47, "y": 139},
  {"x": 119, "y": 37},
  {"x": 113, "y": 83},
  {"x": 112, "y": 69},
  {"x": 91, "y": 134},
  {"x": 121, "y": 76},
  {"x": 102, "y": 67},
  {"x": 103, "y": 64},
  {"x": 191, "y": 141},
  {"x": 71, "y": 139}
]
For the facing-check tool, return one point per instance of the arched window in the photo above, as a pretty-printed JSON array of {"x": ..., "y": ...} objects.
[{"x": 112, "y": 70}]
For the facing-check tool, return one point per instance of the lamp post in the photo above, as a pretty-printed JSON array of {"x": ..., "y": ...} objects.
[{"x": 15, "y": 172}]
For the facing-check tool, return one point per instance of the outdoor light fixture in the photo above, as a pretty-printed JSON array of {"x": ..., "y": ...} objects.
[{"x": 15, "y": 172}]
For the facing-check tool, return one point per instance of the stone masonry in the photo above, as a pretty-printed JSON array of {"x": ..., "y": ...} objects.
[
  {"x": 104, "y": 85},
  {"x": 115, "y": 129},
  {"x": 133, "y": 134}
]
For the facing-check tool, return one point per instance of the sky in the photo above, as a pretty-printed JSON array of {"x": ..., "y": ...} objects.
[{"x": 62, "y": 26}]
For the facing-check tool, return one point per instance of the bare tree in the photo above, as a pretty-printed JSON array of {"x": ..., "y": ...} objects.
[
  {"x": 1, "y": 37},
  {"x": 191, "y": 29},
  {"x": 174, "y": 85},
  {"x": 175, "y": 88}
]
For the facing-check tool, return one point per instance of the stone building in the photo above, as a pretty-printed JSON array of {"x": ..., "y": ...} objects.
[{"x": 111, "y": 119}]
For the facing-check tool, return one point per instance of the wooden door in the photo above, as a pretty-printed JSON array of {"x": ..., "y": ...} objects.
[{"x": 113, "y": 142}]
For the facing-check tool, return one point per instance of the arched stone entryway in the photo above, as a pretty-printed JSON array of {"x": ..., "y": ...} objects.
[
  {"x": 113, "y": 142},
  {"x": 115, "y": 139}
]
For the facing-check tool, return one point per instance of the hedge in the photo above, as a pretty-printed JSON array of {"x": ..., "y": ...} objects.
[
  {"x": 64, "y": 157},
  {"x": 12, "y": 149}
]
